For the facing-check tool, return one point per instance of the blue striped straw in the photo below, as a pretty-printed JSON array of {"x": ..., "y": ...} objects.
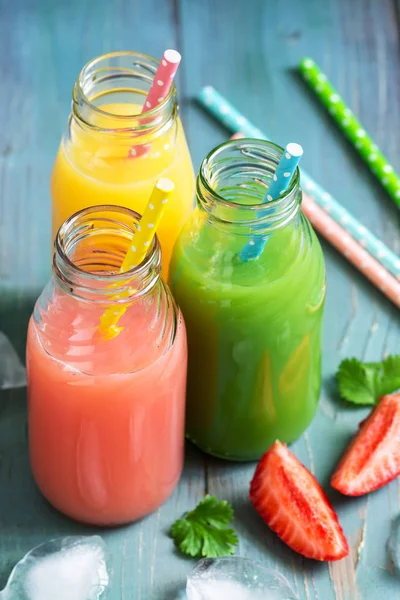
[
  {"x": 233, "y": 120},
  {"x": 280, "y": 183},
  {"x": 227, "y": 114}
]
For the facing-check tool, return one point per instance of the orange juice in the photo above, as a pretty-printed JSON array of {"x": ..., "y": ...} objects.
[
  {"x": 106, "y": 417},
  {"x": 113, "y": 154}
]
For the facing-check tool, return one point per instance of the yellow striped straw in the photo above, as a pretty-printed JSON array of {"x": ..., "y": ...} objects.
[{"x": 137, "y": 251}]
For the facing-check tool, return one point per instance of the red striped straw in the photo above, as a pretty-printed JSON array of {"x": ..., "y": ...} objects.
[
  {"x": 349, "y": 248},
  {"x": 162, "y": 79},
  {"x": 159, "y": 90}
]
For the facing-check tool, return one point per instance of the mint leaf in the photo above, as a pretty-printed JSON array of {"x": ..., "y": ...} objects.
[
  {"x": 365, "y": 383},
  {"x": 391, "y": 375},
  {"x": 204, "y": 531},
  {"x": 221, "y": 543},
  {"x": 355, "y": 384},
  {"x": 187, "y": 538}
]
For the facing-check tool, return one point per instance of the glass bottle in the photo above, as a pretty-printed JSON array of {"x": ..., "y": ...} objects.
[
  {"x": 254, "y": 328},
  {"x": 113, "y": 154},
  {"x": 106, "y": 416}
]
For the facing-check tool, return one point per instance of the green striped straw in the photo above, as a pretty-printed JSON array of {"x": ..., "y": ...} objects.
[{"x": 353, "y": 130}]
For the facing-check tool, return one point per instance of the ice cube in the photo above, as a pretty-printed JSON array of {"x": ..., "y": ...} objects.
[
  {"x": 12, "y": 372},
  {"x": 63, "y": 569},
  {"x": 236, "y": 578},
  {"x": 215, "y": 589}
]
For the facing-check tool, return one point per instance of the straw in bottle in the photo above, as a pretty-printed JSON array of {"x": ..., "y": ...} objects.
[
  {"x": 163, "y": 79},
  {"x": 280, "y": 184},
  {"x": 159, "y": 90},
  {"x": 138, "y": 249}
]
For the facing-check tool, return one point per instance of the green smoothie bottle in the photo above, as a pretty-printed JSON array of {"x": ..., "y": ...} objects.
[{"x": 254, "y": 328}]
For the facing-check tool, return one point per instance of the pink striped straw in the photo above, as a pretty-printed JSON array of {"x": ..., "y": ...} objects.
[
  {"x": 162, "y": 79},
  {"x": 237, "y": 136},
  {"x": 352, "y": 250},
  {"x": 349, "y": 248},
  {"x": 159, "y": 90}
]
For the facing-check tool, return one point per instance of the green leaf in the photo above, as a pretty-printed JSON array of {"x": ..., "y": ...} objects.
[
  {"x": 354, "y": 383},
  {"x": 186, "y": 538},
  {"x": 391, "y": 375},
  {"x": 204, "y": 531},
  {"x": 216, "y": 512},
  {"x": 365, "y": 383},
  {"x": 221, "y": 543}
]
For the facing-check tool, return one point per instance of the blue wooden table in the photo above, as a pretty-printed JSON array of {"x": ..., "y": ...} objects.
[{"x": 248, "y": 51}]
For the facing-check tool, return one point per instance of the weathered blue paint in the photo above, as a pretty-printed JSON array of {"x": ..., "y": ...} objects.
[{"x": 249, "y": 52}]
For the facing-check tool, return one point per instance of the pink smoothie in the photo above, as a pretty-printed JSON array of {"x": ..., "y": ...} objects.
[{"x": 106, "y": 419}]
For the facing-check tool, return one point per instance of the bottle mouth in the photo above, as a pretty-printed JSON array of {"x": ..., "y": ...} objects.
[
  {"x": 90, "y": 247},
  {"x": 119, "y": 78},
  {"x": 233, "y": 181}
]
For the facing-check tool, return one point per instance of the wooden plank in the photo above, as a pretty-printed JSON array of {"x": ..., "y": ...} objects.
[
  {"x": 254, "y": 54},
  {"x": 248, "y": 53},
  {"x": 46, "y": 45}
]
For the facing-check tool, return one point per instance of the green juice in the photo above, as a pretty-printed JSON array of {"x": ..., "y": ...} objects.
[{"x": 254, "y": 334}]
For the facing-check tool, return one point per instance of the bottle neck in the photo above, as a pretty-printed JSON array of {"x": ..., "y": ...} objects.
[
  {"x": 232, "y": 184},
  {"x": 89, "y": 250},
  {"x": 120, "y": 79}
]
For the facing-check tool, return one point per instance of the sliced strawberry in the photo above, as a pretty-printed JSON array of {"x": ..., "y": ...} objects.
[
  {"x": 373, "y": 457},
  {"x": 292, "y": 503}
]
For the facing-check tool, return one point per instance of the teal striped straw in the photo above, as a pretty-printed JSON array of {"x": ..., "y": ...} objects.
[
  {"x": 234, "y": 121},
  {"x": 280, "y": 183}
]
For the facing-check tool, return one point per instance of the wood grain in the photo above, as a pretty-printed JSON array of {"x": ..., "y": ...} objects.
[{"x": 249, "y": 52}]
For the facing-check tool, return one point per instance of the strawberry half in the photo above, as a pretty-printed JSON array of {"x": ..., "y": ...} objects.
[
  {"x": 373, "y": 457},
  {"x": 292, "y": 503}
]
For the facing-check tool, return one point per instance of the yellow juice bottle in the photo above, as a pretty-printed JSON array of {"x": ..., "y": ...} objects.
[{"x": 112, "y": 153}]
